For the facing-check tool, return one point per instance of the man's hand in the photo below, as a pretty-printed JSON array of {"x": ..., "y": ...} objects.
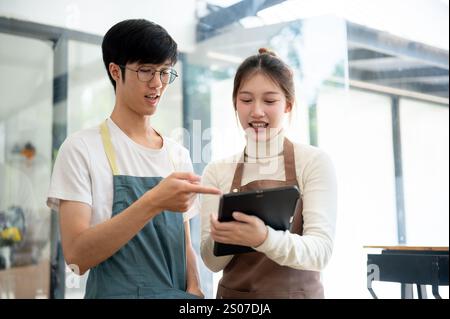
[
  {"x": 246, "y": 230},
  {"x": 177, "y": 192}
]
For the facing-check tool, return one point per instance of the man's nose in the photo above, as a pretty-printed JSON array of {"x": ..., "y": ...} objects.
[{"x": 156, "y": 81}]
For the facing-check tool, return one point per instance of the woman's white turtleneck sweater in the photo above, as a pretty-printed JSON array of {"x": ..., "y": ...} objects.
[{"x": 317, "y": 182}]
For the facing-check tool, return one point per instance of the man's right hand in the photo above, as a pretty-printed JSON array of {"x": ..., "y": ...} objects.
[{"x": 177, "y": 192}]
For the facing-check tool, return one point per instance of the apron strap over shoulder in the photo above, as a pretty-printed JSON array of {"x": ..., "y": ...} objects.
[
  {"x": 109, "y": 150},
  {"x": 237, "y": 179},
  {"x": 289, "y": 161}
]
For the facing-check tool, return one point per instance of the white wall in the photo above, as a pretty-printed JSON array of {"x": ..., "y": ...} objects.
[
  {"x": 99, "y": 15},
  {"x": 425, "y": 152},
  {"x": 354, "y": 128}
]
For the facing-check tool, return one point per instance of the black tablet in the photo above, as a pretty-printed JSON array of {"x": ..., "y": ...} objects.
[{"x": 275, "y": 206}]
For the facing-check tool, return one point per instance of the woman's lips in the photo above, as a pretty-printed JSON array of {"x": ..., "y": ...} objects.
[{"x": 259, "y": 126}]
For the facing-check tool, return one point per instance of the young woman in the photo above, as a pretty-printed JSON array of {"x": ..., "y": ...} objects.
[{"x": 286, "y": 264}]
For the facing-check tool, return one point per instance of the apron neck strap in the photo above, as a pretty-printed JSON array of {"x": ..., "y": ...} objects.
[
  {"x": 289, "y": 166},
  {"x": 237, "y": 179},
  {"x": 289, "y": 161},
  {"x": 109, "y": 149}
]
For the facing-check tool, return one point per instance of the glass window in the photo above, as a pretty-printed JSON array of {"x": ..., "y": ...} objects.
[
  {"x": 90, "y": 94},
  {"x": 2, "y": 142},
  {"x": 25, "y": 165}
]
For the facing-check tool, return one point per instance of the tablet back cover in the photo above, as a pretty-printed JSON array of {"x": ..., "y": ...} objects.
[{"x": 274, "y": 206}]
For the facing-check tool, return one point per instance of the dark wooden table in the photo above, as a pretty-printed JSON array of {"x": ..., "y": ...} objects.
[{"x": 409, "y": 265}]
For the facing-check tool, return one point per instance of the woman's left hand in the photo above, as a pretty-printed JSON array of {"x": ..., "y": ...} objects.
[{"x": 247, "y": 230}]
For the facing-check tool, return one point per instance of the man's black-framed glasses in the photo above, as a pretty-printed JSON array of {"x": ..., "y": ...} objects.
[{"x": 146, "y": 74}]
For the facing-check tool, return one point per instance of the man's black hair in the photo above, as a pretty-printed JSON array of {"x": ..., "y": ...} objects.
[{"x": 137, "y": 40}]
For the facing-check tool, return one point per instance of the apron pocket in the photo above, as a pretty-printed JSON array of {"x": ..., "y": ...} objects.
[{"x": 226, "y": 293}]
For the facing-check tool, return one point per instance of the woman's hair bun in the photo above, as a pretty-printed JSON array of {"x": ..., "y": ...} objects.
[{"x": 266, "y": 51}]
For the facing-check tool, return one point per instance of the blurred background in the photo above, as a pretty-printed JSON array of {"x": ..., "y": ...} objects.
[{"x": 372, "y": 89}]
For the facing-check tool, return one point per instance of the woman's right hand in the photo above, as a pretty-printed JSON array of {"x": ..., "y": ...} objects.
[{"x": 245, "y": 230}]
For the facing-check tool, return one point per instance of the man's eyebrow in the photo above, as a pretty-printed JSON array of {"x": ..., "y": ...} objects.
[{"x": 154, "y": 66}]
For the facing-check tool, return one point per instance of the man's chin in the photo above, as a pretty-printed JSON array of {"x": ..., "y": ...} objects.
[{"x": 147, "y": 111}]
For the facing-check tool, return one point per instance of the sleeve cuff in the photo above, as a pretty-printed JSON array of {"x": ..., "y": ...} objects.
[
  {"x": 273, "y": 237},
  {"x": 54, "y": 199}
]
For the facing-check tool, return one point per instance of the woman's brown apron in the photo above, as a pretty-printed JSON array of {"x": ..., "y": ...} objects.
[{"x": 253, "y": 275}]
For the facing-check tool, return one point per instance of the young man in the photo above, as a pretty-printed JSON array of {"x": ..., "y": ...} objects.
[{"x": 120, "y": 187}]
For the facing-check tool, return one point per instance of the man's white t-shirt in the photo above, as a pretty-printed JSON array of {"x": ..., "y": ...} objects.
[{"x": 82, "y": 172}]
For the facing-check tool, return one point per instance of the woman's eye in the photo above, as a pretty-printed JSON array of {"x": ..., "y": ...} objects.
[
  {"x": 245, "y": 101},
  {"x": 270, "y": 101}
]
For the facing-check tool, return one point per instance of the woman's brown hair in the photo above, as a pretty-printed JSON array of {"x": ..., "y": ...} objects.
[{"x": 267, "y": 63}]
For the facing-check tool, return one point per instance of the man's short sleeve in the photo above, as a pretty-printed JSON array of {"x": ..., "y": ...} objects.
[{"x": 71, "y": 178}]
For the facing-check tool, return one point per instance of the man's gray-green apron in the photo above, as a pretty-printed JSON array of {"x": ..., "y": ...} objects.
[{"x": 153, "y": 263}]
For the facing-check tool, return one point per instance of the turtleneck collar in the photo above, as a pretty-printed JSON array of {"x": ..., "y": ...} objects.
[{"x": 264, "y": 149}]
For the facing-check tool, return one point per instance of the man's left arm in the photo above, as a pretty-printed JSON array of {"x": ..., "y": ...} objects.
[{"x": 193, "y": 279}]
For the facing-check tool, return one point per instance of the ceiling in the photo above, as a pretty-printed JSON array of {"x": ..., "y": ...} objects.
[
  {"x": 376, "y": 58},
  {"x": 423, "y": 71}
]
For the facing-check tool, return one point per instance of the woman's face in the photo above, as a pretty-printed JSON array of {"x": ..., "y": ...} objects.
[{"x": 261, "y": 106}]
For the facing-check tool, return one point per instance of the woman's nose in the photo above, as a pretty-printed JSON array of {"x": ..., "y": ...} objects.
[{"x": 257, "y": 110}]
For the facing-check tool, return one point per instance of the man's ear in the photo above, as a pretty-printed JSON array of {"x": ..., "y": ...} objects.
[{"x": 115, "y": 71}]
